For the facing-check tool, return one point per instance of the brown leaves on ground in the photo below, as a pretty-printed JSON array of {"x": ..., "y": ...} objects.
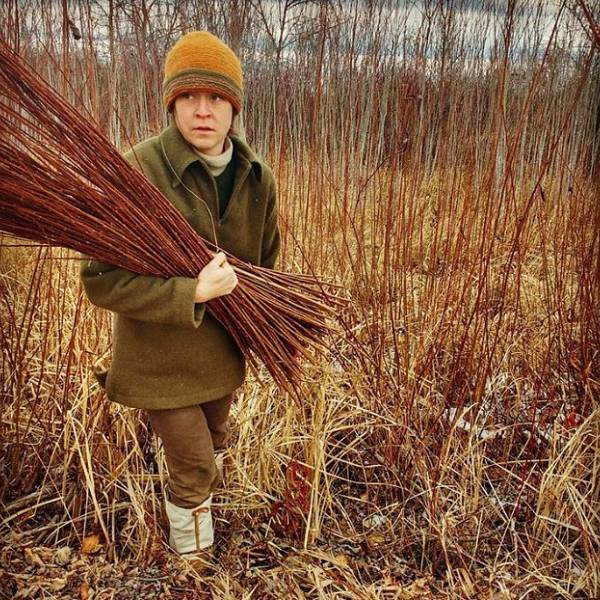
[
  {"x": 90, "y": 544},
  {"x": 84, "y": 591},
  {"x": 28, "y": 573}
]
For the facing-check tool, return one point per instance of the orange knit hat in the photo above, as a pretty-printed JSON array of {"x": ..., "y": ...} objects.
[{"x": 201, "y": 61}]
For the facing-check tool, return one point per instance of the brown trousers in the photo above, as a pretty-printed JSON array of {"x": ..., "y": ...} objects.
[{"x": 190, "y": 436}]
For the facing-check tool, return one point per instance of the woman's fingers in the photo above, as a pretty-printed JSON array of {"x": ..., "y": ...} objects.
[
  {"x": 219, "y": 259},
  {"x": 217, "y": 278}
]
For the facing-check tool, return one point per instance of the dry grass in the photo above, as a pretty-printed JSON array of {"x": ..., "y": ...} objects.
[{"x": 449, "y": 446}]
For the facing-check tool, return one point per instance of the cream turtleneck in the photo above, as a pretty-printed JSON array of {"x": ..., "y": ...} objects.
[{"x": 216, "y": 164}]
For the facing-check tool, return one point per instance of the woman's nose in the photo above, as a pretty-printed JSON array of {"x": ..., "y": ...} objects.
[{"x": 202, "y": 106}]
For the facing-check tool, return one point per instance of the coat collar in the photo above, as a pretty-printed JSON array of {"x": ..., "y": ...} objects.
[{"x": 181, "y": 156}]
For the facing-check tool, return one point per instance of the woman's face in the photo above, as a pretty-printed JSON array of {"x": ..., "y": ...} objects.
[{"x": 204, "y": 119}]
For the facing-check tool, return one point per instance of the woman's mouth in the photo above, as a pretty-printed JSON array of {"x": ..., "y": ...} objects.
[{"x": 203, "y": 129}]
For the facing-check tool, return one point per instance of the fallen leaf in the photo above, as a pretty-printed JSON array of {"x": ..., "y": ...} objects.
[
  {"x": 32, "y": 558},
  {"x": 374, "y": 520},
  {"x": 62, "y": 556},
  {"x": 84, "y": 591},
  {"x": 90, "y": 544},
  {"x": 376, "y": 539},
  {"x": 58, "y": 583}
]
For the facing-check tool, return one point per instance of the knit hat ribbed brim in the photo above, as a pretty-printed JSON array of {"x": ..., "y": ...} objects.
[{"x": 201, "y": 61}]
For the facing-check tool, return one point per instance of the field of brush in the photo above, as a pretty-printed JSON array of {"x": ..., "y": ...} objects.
[{"x": 439, "y": 161}]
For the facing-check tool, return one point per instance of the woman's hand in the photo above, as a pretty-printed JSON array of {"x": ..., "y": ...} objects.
[{"x": 216, "y": 279}]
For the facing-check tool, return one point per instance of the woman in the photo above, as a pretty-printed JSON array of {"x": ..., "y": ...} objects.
[{"x": 170, "y": 357}]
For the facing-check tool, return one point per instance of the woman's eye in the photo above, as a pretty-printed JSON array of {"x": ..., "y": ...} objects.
[{"x": 217, "y": 97}]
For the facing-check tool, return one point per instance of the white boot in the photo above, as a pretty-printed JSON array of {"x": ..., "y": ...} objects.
[{"x": 191, "y": 529}]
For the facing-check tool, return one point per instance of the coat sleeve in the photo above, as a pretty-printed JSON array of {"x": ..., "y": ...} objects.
[
  {"x": 271, "y": 241},
  {"x": 142, "y": 297}
]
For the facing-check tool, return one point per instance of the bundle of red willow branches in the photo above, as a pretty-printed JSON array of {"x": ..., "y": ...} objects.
[{"x": 63, "y": 183}]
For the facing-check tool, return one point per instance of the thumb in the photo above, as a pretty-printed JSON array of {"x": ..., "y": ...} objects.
[{"x": 219, "y": 259}]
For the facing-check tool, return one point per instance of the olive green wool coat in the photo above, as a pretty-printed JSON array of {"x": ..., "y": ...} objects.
[{"x": 168, "y": 351}]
